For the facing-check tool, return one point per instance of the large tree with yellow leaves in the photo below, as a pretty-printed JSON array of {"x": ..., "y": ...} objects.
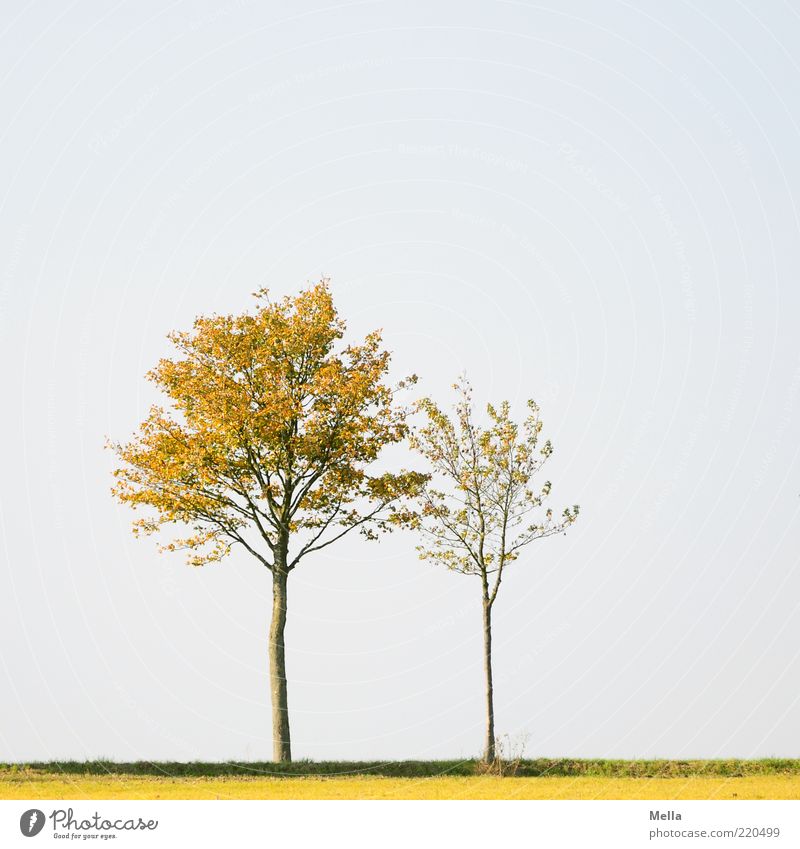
[{"x": 266, "y": 443}]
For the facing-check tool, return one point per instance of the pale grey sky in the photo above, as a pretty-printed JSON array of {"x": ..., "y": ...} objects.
[{"x": 590, "y": 204}]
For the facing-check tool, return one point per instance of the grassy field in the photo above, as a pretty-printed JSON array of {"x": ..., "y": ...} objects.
[{"x": 541, "y": 779}]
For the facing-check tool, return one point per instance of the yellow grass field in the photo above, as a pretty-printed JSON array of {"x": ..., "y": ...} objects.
[{"x": 53, "y": 786}]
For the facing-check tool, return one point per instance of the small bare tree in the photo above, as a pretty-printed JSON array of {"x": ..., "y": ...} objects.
[{"x": 479, "y": 521}]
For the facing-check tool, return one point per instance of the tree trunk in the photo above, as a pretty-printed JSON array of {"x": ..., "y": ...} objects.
[
  {"x": 281, "y": 741},
  {"x": 489, "y": 749}
]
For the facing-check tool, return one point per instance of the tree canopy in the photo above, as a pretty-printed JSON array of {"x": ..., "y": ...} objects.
[
  {"x": 269, "y": 434},
  {"x": 477, "y": 511}
]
